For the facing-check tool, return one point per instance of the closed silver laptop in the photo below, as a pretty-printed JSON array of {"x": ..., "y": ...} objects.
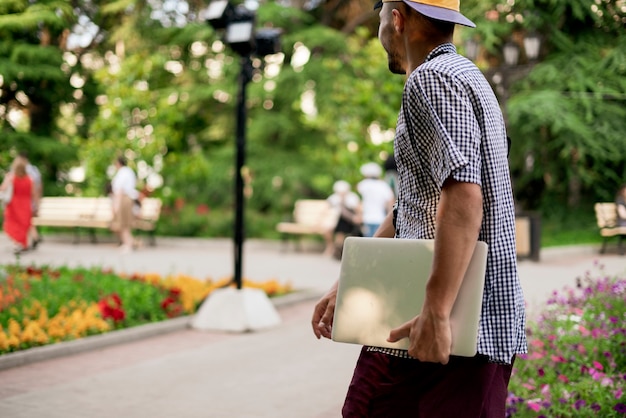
[{"x": 382, "y": 285}]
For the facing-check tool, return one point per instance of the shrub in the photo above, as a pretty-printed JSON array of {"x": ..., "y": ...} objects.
[
  {"x": 42, "y": 305},
  {"x": 576, "y": 365}
]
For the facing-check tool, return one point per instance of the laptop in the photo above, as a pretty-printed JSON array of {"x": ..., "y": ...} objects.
[{"x": 382, "y": 284}]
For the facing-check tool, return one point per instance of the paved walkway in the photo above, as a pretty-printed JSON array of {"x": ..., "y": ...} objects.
[{"x": 274, "y": 373}]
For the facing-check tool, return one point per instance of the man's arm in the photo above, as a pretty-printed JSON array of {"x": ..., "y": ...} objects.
[
  {"x": 459, "y": 216},
  {"x": 324, "y": 311}
]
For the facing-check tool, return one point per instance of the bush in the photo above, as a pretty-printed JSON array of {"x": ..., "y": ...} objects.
[
  {"x": 576, "y": 365},
  {"x": 41, "y": 305}
]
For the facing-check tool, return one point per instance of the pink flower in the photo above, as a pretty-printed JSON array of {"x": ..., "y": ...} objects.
[
  {"x": 598, "y": 365},
  {"x": 563, "y": 378},
  {"x": 537, "y": 343},
  {"x": 618, "y": 393},
  {"x": 534, "y": 405},
  {"x": 557, "y": 359}
]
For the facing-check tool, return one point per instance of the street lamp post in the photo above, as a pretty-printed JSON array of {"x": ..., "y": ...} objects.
[
  {"x": 245, "y": 75},
  {"x": 239, "y": 309}
]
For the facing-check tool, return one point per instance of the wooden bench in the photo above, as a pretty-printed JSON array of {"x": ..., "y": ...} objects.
[
  {"x": 310, "y": 217},
  {"x": 606, "y": 217},
  {"x": 93, "y": 213}
]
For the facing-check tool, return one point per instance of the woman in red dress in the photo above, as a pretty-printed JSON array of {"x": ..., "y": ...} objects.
[{"x": 17, "y": 214}]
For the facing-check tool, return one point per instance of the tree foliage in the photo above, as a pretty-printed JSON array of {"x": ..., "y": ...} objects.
[
  {"x": 83, "y": 81},
  {"x": 566, "y": 117}
]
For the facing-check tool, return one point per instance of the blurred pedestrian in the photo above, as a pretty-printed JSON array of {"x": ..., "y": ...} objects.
[
  {"x": 35, "y": 175},
  {"x": 348, "y": 205},
  {"x": 18, "y": 211},
  {"x": 377, "y": 198},
  {"x": 125, "y": 194}
]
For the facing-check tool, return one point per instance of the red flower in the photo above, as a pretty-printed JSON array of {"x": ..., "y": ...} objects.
[
  {"x": 202, "y": 209},
  {"x": 167, "y": 302},
  {"x": 111, "y": 308},
  {"x": 116, "y": 299},
  {"x": 171, "y": 306}
]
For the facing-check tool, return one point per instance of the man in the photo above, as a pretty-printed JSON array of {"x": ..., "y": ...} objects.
[{"x": 454, "y": 187}]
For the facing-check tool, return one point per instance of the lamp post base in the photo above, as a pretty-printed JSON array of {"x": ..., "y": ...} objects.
[{"x": 236, "y": 310}]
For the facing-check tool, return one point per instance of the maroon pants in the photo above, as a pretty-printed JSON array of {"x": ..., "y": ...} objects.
[{"x": 393, "y": 387}]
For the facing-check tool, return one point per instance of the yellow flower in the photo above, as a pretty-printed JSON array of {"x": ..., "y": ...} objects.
[
  {"x": 13, "y": 341},
  {"x": 4, "y": 341},
  {"x": 14, "y": 328}
]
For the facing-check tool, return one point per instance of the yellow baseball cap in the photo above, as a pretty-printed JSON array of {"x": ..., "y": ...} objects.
[{"x": 445, "y": 10}]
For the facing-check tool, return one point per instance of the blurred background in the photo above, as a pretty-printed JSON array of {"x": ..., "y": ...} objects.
[{"x": 82, "y": 81}]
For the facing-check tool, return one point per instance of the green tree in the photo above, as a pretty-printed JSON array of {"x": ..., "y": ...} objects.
[
  {"x": 567, "y": 116},
  {"x": 35, "y": 83}
]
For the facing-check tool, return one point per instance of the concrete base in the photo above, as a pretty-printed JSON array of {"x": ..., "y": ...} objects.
[{"x": 236, "y": 310}]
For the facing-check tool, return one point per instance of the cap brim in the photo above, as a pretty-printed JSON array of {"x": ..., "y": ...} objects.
[
  {"x": 435, "y": 12},
  {"x": 440, "y": 13}
]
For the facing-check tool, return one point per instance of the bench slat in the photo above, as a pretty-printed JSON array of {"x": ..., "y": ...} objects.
[
  {"x": 91, "y": 212},
  {"x": 310, "y": 217}
]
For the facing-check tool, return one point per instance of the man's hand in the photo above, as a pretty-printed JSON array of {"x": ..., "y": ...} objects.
[
  {"x": 323, "y": 314},
  {"x": 430, "y": 337}
]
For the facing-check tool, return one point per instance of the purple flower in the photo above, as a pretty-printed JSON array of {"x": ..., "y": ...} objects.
[
  {"x": 596, "y": 407},
  {"x": 580, "y": 403},
  {"x": 620, "y": 408}
]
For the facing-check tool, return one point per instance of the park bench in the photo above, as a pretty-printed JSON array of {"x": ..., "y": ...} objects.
[
  {"x": 310, "y": 217},
  {"x": 92, "y": 213},
  {"x": 606, "y": 217}
]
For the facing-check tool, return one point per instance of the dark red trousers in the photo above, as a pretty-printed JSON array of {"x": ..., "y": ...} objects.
[{"x": 393, "y": 387}]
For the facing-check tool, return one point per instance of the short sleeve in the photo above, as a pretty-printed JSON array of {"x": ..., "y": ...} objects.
[{"x": 448, "y": 120}]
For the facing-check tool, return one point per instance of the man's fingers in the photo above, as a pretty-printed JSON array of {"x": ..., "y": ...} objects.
[
  {"x": 403, "y": 331},
  {"x": 323, "y": 319}
]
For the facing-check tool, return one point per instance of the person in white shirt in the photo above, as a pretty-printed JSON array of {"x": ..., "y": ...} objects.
[
  {"x": 125, "y": 194},
  {"x": 377, "y": 198}
]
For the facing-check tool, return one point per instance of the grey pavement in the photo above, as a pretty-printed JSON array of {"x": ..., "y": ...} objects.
[{"x": 175, "y": 371}]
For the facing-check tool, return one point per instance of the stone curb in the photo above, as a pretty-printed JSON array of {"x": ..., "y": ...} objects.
[{"x": 95, "y": 342}]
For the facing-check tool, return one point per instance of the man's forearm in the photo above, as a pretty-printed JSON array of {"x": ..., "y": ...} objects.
[{"x": 459, "y": 217}]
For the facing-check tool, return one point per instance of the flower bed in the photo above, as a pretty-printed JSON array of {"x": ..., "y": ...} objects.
[
  {"x": 42, "y": 305},
  {"x": 576, "y": 365}
]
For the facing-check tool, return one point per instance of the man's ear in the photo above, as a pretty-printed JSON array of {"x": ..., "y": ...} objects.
[{"x": 398, "y": 20}]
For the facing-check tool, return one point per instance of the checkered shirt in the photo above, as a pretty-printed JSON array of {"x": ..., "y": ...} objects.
[{"x": 450, "y": 125}]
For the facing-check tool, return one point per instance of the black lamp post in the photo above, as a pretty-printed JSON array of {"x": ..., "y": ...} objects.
[{"x": 238, "y": 23}]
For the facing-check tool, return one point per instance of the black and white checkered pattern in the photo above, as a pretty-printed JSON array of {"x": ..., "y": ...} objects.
[{"x": 451, "y": 125}]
